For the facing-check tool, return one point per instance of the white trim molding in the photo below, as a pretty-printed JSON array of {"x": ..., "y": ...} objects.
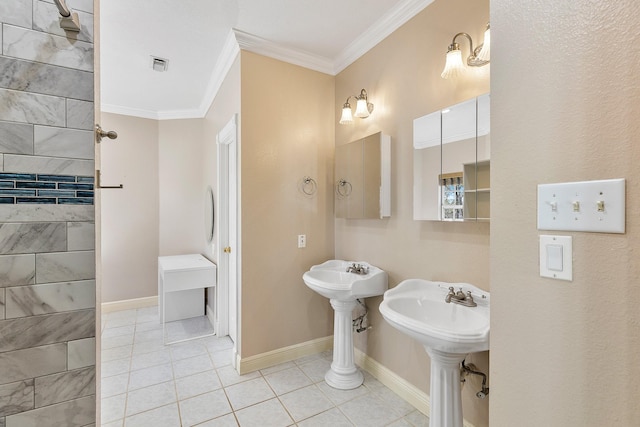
[
  {"x": 225, "y": 61},
  {"x": 380, "y": 30},
  {"x": 412, "y": 394},
  {"x": 127, "y": 111},
  {"x": 128, "y": 304},
  {"x": 237, "y": 39},
  {"x": 268, "y": 48},
  {"x": 285, "y": 354},
  {"x": 153, "y": 115},
  {"x": 403, "y": 388}
]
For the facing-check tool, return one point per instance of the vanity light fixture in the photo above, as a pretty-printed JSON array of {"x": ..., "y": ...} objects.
[
  {"x": 485, "y": 50},
  {"x": 363, "y": 108},
  {"x": 478, "y": 57}
]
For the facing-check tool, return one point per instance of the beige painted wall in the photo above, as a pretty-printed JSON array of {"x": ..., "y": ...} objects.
[
  {"x": 287, "y": 133},
  {"x": 166, "y": 167},
  {"x": 562, "y": 354},
  {"x": 129, "y": 238},
  {"x": 160, "y": 211},
  {"x": 402, "y": 77},
  {"x": 182, "y": 193},
  {"x": 565, "y": 107}
]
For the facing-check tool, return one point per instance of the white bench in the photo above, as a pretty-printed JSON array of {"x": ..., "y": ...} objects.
[{"x": 182, "y": 280}]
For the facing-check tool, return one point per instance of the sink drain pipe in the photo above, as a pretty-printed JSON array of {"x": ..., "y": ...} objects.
[
  {"x": 360, "y": 321},
  {"x": 471, "y": 369}
]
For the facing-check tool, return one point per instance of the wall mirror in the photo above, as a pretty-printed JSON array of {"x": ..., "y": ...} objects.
[
  {"x": 209, "y": 214},
  {"x": 451, "y": 163},
  {"x": 363, "y": 178}
]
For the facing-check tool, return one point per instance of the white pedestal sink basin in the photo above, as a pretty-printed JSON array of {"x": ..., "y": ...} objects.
[
  {"x": 448, "y": 332},
  {"x": 332, "y": 280}
]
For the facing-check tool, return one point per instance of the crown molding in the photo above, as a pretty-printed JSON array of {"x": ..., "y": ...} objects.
[
  {"x": 380, "y": 30},
  {"x": 264, "y": 47},
  {"x": 193, "y": 113},
  {"x": 238, "y": 39},
  {"x": 225, "y": 61},
  {"x": 128, "y": 111}
]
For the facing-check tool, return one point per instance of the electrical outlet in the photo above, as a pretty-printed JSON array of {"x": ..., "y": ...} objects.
[{"x": 302, "y": 240}]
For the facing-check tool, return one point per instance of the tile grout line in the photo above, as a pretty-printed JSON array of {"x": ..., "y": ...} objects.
[
  {"x": 175, "y": 386},
  {"x": 126, "y": 400},
  {"x": 210, "y": 349}
]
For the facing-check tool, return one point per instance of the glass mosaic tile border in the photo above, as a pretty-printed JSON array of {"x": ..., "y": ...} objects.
[{"x": 48, "y": 189}]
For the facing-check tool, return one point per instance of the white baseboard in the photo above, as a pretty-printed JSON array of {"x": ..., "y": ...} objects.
[
  {"x": 416, "y": 397},
  {"x": 129, "y": 304},
  {"x": 281, "y": 355}
]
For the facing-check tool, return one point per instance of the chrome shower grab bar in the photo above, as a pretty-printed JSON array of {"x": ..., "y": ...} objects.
[{"x": 62, "y": 8}]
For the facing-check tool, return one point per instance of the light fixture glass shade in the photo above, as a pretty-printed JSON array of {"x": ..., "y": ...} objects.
[
  {"x": 454, "y": 65},
  {"x": 485, "y": 52},
  {"x": 346, "y": 118},
  {"x": 361, "y": 108}
]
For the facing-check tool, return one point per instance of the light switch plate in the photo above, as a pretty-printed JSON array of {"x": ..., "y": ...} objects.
[
  {"x": 595, "y": 206},
  {"x": 556, "y": 257}
]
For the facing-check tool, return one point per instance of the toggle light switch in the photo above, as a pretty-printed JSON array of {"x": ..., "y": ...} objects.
[
  {"x": 580, "y": 206},
  {"x": 576, "y": 206}
]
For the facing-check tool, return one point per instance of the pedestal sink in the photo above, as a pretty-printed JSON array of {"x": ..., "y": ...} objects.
[
  {"x": 332, "y": 280},
  {"x": 448, "y": 332}
]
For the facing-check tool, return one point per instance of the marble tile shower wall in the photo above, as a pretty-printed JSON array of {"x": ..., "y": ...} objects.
[{"x": 47, "y": 261}]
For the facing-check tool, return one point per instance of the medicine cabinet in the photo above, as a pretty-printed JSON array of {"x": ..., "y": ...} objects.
[
  {"x": 451, "y": 163},
  {"x": 363, "y": 178}
]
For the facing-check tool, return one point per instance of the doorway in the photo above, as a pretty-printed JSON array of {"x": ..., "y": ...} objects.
[{"x": 227, "y": 236}]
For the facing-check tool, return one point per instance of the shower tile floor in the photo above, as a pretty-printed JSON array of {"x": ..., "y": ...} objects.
[{"x": 148, "y": 384}]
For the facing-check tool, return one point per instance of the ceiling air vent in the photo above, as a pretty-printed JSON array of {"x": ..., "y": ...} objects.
[{"x": 159, "y": 64}]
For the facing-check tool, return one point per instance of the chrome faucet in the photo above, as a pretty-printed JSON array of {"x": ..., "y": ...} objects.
[
  {"x": 358, "y": 269},
  {"x": 460, "y": 297}
]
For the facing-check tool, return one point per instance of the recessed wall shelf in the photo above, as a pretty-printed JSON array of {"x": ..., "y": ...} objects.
[{"x": 477, "y": 190}]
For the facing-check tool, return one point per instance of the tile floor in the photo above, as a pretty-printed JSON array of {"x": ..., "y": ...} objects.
[{"x": 145, "y": 383}]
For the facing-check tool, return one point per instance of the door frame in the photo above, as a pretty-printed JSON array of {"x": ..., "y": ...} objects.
[{"x": 228, "y": 235}]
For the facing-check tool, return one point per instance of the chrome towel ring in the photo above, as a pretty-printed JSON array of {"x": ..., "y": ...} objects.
[
  {"x": 309, "y": 186},
  {"x": 344, "y": 188}
]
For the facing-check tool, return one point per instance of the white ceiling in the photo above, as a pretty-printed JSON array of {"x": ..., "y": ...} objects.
[{"x": 195, "y": 35}]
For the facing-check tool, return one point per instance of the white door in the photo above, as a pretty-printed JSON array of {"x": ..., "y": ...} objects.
[{"x": 228, "y": 248}]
